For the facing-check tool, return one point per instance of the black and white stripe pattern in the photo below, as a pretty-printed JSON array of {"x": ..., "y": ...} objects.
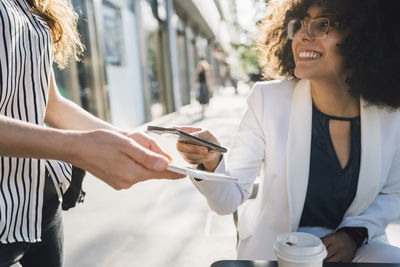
[{"x": 26, "y": 57}]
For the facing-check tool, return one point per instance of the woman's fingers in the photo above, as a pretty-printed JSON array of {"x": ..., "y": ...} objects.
[
  {"x": 190, "y": 148},
  {"x": 187, "y": 129},
  {"x": 146, "y": 158},
  {"x": 195, "y": 153},
  {"x": 159, "y": 175},
  {"x": 156, "y": 148},
  {"x": 199, "y": 132},
  {"x": 149, "y": 143},
  {"x": 340, "y": 247},
  {"x": 194, "y": 158},
  {"x": 206, "y": 135},
  {"x": 119, "y": 161}
]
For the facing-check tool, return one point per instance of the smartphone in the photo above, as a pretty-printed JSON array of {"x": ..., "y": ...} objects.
[
  {"x": 190, "y": 138},
  {"x": 202, "y": 174}
]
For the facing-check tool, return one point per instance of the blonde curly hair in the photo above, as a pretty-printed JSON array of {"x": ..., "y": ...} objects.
[
  {"x": 272, "y": 41},
  {"x": 62, "y": 20}
]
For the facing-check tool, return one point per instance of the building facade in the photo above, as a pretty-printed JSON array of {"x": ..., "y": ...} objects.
[{"x": 141, "y": 55}]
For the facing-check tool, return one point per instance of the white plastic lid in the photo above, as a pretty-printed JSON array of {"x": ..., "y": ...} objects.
[{"x": 299, "y": 247}]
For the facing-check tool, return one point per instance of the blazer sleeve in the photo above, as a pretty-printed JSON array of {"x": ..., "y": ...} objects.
[
  {"x": 243, "y": 160},
  {"x": 384, "y": 209}
]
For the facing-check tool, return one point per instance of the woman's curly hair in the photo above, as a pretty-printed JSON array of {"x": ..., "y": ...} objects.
[
  {"x": 62, "y": 20},
  {"x": 371, "y": 51}
]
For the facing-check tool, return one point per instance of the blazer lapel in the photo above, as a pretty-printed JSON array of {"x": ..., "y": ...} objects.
[
  {"x": 298, "y": 150},
  {"x": 370, "y": 166}
]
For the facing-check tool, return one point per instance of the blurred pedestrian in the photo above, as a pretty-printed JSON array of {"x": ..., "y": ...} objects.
[
  {"x": 326, "y": 135},
  {"x": 204, "y": 84},
  {"x": 229, "y": 80},
  {"x": 34, "y": 173}
]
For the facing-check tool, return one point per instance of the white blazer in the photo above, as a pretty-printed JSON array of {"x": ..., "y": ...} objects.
[{"x": 275, "y": 135}]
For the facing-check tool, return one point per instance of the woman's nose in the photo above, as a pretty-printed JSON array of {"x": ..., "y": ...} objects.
[{"x": 302, "y": 34}]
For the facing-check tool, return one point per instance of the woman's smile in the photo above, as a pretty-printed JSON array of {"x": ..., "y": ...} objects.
[{"x": 305, "y": 54}]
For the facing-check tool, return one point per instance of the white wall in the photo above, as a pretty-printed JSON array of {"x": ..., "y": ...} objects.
[
  {"x": 209, "y": 11},
  {"x": 124, "y": 82}
]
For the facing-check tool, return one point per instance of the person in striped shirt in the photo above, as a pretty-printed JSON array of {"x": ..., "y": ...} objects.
[{"x": 35, "y": 161}]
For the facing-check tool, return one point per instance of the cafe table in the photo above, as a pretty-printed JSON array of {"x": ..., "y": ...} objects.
[{"x": 243, "y": 263}]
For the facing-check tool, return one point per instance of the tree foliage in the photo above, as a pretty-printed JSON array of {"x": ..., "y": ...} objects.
[{"x": 248, "y": 55}]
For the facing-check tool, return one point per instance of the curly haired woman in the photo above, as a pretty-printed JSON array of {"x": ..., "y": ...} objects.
[
  {"x": 33, "y": 175},
  {"x": 326, "y": 135}
]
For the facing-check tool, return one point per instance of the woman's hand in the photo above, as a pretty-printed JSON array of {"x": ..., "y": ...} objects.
[
  {"x": 340, "y": 246},
  {"x": 119, "y": 160},
  {"x": 197, "y": 154},
  {"x": 148, "y": 142}
]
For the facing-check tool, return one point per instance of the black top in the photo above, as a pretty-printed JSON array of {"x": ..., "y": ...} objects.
[
  {"x": 331, "y": 188},
  {"x": 202, "y": 76}
]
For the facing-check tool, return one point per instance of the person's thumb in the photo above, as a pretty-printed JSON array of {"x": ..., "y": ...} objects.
[
  {"x": 147, "y": 158},
  {"x": 159, "y": 150}
]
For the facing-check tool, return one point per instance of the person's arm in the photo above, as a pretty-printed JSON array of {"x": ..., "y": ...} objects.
[
  {"x": 210, "y": 79},
  {"x": 62, "y": 113},
  {"x": 118, "y": 158},
  {"x": 114, "y": 158},
  {"x": 243, "y": 160}
]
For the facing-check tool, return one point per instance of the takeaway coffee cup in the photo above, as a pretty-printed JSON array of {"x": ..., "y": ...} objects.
[{"x": 298, "y": 249}]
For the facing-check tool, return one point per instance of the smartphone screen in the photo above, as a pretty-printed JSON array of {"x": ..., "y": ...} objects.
[{"x": 182, "y": 137}]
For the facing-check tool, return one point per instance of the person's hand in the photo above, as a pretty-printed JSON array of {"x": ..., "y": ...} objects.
[
  {"x": 148, "y": 142},
  {"x": 196, "y": 154},
  {"x": 118, "y": 160},
  {"x": 340, "y": 247}
]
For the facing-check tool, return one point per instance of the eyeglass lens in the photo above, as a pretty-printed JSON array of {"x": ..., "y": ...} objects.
[{"x": 316, "y": 28}]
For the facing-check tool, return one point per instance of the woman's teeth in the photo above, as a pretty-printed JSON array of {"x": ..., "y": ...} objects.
[{"x": 309, "y": 54}]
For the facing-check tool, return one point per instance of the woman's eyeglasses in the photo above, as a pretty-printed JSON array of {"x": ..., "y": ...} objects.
[{"x": 317, "y": 28}]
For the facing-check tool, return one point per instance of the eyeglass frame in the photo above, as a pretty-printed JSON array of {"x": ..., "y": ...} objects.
[{"x": 331, "y": 20}]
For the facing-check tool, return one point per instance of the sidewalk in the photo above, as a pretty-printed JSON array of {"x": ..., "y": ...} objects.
[{"x": 160, "y": 222}]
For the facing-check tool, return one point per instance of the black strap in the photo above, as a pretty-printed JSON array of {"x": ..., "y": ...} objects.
[
  {"x": 74, "y": 193},
  {"x": 358, "y": 234}
]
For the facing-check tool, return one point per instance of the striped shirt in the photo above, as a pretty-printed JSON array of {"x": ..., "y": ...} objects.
[{"x": 26, "y": 55}]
